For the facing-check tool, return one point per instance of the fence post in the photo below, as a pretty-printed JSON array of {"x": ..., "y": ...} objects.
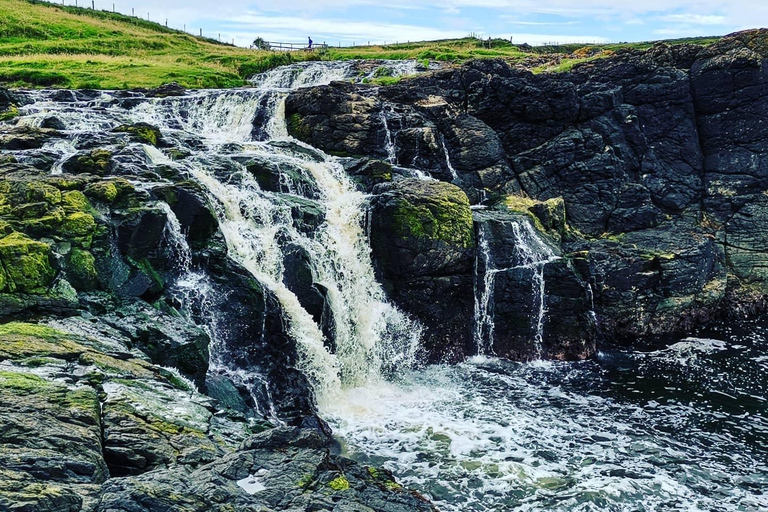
[{"x": 93, "y": 5}]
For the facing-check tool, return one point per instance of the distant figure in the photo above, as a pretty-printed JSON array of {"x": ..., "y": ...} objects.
[{"x": 310, "y": 42}]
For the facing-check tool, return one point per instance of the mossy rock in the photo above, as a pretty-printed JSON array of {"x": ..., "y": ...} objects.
[
  {"x": 442, "y": 213},
  {"x": 26, "y": 264},
  {"x": 75, "y": 201},
  {"x": 81, "y": 269},
  {"x": 109, "y": 191},
  {"x": 547, "y": 216},
  {"x": 20, "y": 341},
  {"x": 142, "y": 131},
  {"x": 98, "y": 162},
  {"x": 79, "y": 228},
  {"x": 298, "y": 128},
  {"x": 9, "y": 113},
  {"x": 339, "y": 484},
  {"x": 36, "y": 191}
]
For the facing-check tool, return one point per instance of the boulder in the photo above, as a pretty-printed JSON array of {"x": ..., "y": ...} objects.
[{"x": 423, "y": 243}]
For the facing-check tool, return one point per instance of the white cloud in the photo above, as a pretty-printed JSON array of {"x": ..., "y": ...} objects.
[
  {"x": 395, "y": 20},
  {"x": 695, "y": 19}
]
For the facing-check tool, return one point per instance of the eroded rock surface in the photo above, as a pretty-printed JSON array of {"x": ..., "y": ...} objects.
[{"x": 659, "y": 159}]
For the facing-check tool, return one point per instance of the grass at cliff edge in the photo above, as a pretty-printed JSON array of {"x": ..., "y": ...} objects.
[{"x": 50, "y": 45}]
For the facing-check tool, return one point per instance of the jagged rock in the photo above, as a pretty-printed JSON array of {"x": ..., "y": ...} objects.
[
  {"x": 25, "y": 137},
  {"x": 98, "y": 161},
  {"x": 368, "y": 173},
  {"x": 291, "y": 469},
  {"x": 635, "y": 143},
  {"x": 422, "y": 239},
  {"x": 143, "y": 132},
  {"x": 166, "y": 90},
  {"x": 7, "y": 99},
  {"x": 190, "y": 206}
]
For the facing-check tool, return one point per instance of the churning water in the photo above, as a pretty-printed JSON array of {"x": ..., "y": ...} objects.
[{"x": 681, "y": 428}]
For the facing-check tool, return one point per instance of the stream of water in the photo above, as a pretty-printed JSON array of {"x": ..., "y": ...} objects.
[{"x": 681, "y": 428}]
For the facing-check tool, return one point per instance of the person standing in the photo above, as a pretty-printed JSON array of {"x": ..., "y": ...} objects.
[{"x": 310, "y": 42}]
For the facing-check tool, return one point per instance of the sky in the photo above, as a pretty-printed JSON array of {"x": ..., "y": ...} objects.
[{"x": 357, "y": 22}]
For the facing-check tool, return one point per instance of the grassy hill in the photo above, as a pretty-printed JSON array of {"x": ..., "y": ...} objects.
[{"x": 49, "y": 45}]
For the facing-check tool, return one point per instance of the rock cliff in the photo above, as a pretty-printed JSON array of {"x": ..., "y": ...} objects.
[{"x": 657, "y": 158}]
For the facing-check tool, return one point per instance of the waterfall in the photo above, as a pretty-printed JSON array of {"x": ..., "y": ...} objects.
[
  {"x": 531, "y": 252},
  {"x": 260, "y": 226},
  {"x": 389, "y": 142},
  {"x": 484, "y": 324},
  {"x": 453, "y": 172}
]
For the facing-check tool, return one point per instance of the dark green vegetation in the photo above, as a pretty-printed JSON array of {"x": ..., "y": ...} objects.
[{"x": 49, "y": 45}]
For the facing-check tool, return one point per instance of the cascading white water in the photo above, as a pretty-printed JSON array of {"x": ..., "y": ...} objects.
[
  {"x": 259, "y": 226},
  {"x": 675, "y": 429},
  {"x": 453, "y": 172},
  {"x": 531, "y": 252},
  {"x": 484, "y": 324},
  {"x": 389, "y": 141}
]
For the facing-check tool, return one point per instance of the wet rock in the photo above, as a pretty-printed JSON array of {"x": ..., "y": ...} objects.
[
  {"x": 338, "y": 119},
  {"x": 98, "y": 162},
  {"x": 636, "y": 143},
  {"x": 422, "y": 239},
  {"x": 301, "y": 474},
  {"x": 190, "y": 206},
  {"x": 368, "y": 173},
  {"x": 25, "y": 137},
  {"x": 53, "y": 123},
  {"x": 59, "y": 443},
  {"x": 282, "y": 177},
  {"x": 166, "y": 90},
  {"x": 142, "y": 132}
]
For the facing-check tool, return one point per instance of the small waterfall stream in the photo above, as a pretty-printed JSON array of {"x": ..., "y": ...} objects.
[{"x": 530, "y": 252}]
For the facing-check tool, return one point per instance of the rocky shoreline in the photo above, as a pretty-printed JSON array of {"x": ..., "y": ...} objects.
[{"x": 626, "y": 198}]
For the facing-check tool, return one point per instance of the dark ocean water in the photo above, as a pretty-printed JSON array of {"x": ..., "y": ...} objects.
[{"x": 682, "y": 426}]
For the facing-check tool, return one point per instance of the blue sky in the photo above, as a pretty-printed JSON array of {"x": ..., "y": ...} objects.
[{"x": 378, "y": 21}]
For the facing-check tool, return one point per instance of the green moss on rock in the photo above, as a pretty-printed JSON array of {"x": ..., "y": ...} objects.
[
  {"x": 26, "y": 264},
  {"x": 79, "y": 227},
  {"x": 9, "y": 113},
  {"x": 37, "y": 191},
  {"x": 98, "y": 162},
  {"x": 81, "y": 269},
  {"x": 338, "y": 484},
  {"x": 75, "y": 201},
  {"x": 298, "y": 128},
  {"x": 143, "y": 131},
  {"x": 443, "y": 215},
  {"x": 23, "y": 383}
]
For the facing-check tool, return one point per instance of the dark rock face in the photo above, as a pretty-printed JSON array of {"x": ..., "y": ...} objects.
[
  {"x": 659, "y": 158},
  {"x": 421, "y": 235},
  {"x": 292, "y": 469}
]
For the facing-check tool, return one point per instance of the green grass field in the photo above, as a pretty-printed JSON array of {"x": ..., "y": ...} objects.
[
  {"x": 45, "y": 45},
  {"x": 49, "y": 45}
]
